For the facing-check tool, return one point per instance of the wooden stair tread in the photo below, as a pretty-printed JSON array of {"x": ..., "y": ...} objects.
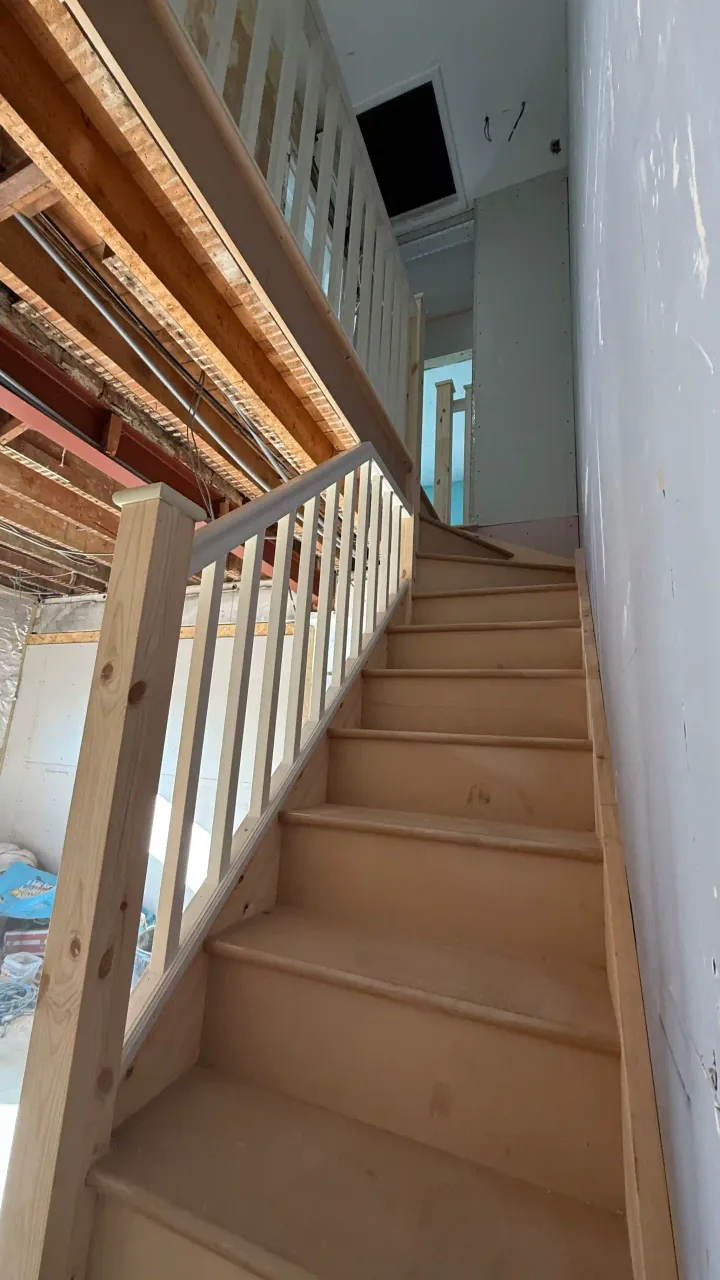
[
  {"x": 571, "y": 1004},
  {"x": 535, "y": 588},
  {"x": 294, "y": 1191},
  {"x": 474, "y": 673},
  {"x": 418, "y": 628},
  {"x": 460, "y": 739},
  {"x": 506, "y": 564},
  {"x": 435, "y": 826}
]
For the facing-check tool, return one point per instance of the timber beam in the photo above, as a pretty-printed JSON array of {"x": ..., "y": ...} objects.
[{"x": 53, "y": 129}]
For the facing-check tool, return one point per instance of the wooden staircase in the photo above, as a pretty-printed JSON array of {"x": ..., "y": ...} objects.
[{"x": 410, "y": 1068}]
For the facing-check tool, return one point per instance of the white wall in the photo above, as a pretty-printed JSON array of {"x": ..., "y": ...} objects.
[
  {"x": 445, "y": 279},
  {"x": 645, "y": 171},
  {"x": 524, "y": 446}
]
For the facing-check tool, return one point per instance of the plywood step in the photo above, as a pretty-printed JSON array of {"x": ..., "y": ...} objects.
[
  {"x": 519, "y": 645},
  {"x": 519, "y": 891},
  {"x": 539, "y": 703},
  {"x": 445, "y": 573},
  {"x": 399, "y": 1033},
  {"x": 440, "y": 538},
  {"x": 226, "y": 1180},
  {"x": 537, "y": 781},
  {"x": 498, "y": 604}
]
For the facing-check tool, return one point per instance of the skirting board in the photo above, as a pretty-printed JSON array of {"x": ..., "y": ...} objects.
[{"x": 650, "y": 1229}]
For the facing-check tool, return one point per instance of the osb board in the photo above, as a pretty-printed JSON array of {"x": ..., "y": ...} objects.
[
  {"x": 225, "y": 631},
  {"x": 90, "y": 82},
  {"x": 647, "y": 1204}
]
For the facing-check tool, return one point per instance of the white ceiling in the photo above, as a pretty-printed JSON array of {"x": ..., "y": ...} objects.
[{"x": 491, "y": 55}]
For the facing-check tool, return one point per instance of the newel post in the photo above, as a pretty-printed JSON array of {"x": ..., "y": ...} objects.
[{"x": 72, "y": 1075}]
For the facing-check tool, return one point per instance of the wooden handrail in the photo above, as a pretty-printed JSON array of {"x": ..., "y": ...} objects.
[{"x": 78, "y": 1045}]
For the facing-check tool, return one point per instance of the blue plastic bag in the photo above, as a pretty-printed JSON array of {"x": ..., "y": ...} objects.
[{"x": 26, "y": 893}]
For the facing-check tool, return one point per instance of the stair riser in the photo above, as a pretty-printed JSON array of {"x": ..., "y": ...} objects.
[
  {"x": 128, "y": 1246},
  {"x": 542, "y": 1111},
  {"x": 495, "y": 900},
  {"x": 543, "y": 708},
  {"x": 448, "y": 575},
  {"x": 537, "y": 786},
  {"x": 540, "y": 606},
  {"x": 435, "y": 539},
  {"x": 552, "y": 648}
]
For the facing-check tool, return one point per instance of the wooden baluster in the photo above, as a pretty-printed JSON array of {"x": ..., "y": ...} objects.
[
  {"x": 393, "y": 376},
  {"x": 401, "y": 410},
  {"x": 303, "y": 607},
  {"x": 366, "y": 286},
  {"x": 371, "y": 592},
  {"x": 383, "y": 373},
  {"x": 350, "y": 292},
  {"x": 395, "y": 553},
  {"x": 180, "y": 8},
  {"x": 73, "y": 1068},
  {"x": 325, "y": 176},
  {"x": 373, "y": 364},
  {"x": 385, "y": 550},
  {"x": 267, "y": 715},
  {"x": 280, "y": 145},
  {"x": 358, "y": 605},
  {"x": 468, "y": 456},
  {"x": 256, "y": 74},
  {"x": 187, "y": 772},
  {"x": 416, "y": 374},
  {"x": 443, "y": 450},
  {"x": 325, "y": 603},
  {"x": 342, "y": 598},
  {"x": 306, "y": 149},
  {"x": 342, "y": 192},
  {"x": 234, "y": 727},
  {"x": 220, "y": 42}
]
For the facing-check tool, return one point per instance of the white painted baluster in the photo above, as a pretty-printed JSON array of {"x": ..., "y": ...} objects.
[
  {"x": 401, "y": 413},
  {"x": 383, "y": 383},
  {"x": 280, "y": 145},
  {"x": 267, "y": 715},
  {"x": 306, "y": 149},
  {"x": 342, "y": 598},
  {"x": 303, "y": 607},
  {"x": 358, "y": 607},
  {"x": 342, "y": 192},
  {"x": 378, "y": 292},
  {"x": 325, "y": 603},
  {"x": 256, "y": 74},
  {"x": 187, "y": 772},
  {"x": 391, "y": 384},
  {"x": 234, "y": 726},
  {"x": 371, "y": 593},
  {"x": 325, "y": 177},
  {"x": 220, "y": 42},
  {"x": 350, "y": 293},
  {"x": 385, "y": 549},
  {"x": 366, "y": 287},
  {"x": 395, "y": 552}
]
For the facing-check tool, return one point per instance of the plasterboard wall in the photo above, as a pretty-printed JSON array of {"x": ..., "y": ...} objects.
[
  {"x": 645, "y": 173},
  {"x": 523, "y": 466}
]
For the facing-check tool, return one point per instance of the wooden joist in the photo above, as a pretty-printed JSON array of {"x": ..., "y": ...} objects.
[
  {"x": 10, "y": 428},
  {"x": 35, "y": 571},
  {"x": 91, "y": 482},
  {"x": 92, "y": 575},
  {"x": 25, "y": 188},
  {"x": 54, "y": 130},
  {"x": 29, "y": 262},
  {"x": 55, "y": 528},
  {"x": 27, "y": 483}
]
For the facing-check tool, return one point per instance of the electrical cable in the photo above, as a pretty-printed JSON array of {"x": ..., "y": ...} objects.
[{"x": 522, "y": 113}]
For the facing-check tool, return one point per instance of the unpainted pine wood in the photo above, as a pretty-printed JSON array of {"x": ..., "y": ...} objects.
[
  {"x": 299, "y": 658},
  {"x": 647, "y": 1203},
  {"x": 443, "y": 449},
  {"x": 73, "y": 1067}
]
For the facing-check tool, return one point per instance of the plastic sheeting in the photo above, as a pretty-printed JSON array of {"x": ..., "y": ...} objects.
[{"x": 16, "y": 615}]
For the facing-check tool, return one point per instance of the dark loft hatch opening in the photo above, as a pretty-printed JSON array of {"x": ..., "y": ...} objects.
[{"x": 404, "y": 137}]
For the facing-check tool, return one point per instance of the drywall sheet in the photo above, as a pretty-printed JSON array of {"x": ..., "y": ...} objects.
[
  {"x": 523, "y": 466},
  {"x": 645, "y": 188}
]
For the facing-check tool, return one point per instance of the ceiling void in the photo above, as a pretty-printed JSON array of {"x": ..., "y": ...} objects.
[{"x": 406, "y": 143}]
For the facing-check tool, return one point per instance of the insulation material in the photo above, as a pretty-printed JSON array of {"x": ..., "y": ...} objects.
[{"x": 16, "y": 614}]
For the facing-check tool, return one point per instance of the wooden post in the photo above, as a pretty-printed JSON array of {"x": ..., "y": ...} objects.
[
  {"x": 468, "y": 455},
  {"x": 72, "y": 1074},
  {"x": 443, "y": 449}
]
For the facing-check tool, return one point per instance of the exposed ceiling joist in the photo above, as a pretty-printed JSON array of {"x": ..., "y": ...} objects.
[
  {"x": 25, "y": 188},
  {"x": 55, "y": 528},
  {"x": 27, "y": 261},
  {"x": 67, "y": 467},
  {"x": 59, "y": 136},
  {"x": 26, "y": 482},
  {"x": 90, "y": 575}
]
